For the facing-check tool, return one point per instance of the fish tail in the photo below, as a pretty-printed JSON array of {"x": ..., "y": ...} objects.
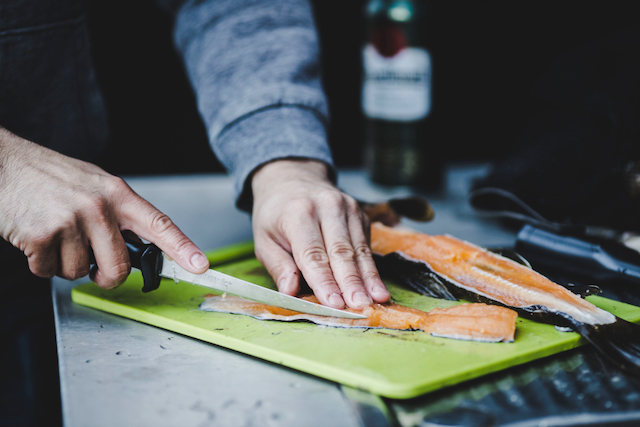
[{"x": 618, "y": 341}]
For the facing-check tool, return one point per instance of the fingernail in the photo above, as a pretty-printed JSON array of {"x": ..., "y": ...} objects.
[
  {"x": 199, "y": 261},
  {"x": 336, "y": 300},
  {"x": 286, "y": 286},
  {"x": 379, "y": 290},
  {"x": 361, "y": 298}
]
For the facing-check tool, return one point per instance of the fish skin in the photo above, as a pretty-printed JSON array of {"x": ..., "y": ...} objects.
[{"x": 474, "y": 322}]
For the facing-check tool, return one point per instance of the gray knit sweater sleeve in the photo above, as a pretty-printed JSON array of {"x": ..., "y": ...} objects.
[{"x": 254, "y": 66}]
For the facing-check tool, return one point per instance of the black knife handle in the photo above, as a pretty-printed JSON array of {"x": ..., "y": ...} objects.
[
  {"x": 602, "y": 261},
  {"x": 146, "y": 257}
]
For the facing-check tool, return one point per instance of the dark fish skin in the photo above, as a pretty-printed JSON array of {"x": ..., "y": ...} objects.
[
  {"x": 416, "y": 276},
  {"x": 618, "y": 341}
]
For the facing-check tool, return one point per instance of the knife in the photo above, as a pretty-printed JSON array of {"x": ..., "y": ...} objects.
[
  {"x": 598, "y": 259},
  {"x": 155, "y": 265}
]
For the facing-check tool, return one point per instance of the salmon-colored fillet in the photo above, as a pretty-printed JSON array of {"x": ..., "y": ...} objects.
[
  {"x": 477, "y": 322},
  {"x": 484, "y": 273}
]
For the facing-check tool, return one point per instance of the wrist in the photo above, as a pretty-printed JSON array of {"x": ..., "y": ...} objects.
[
  {"x": 285, "y": 170},
  {"x": 10, "y": 147}
]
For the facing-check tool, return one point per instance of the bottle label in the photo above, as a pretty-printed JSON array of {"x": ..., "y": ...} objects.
[{"x": 398, "y": 87}]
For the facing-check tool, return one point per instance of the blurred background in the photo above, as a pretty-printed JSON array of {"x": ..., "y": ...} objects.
[{"x": 486, "y": 57}]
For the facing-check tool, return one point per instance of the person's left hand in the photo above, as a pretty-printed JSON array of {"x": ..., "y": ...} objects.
[{"x": 303, "y": 223}]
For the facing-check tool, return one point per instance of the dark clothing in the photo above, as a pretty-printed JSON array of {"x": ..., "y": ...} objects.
[
  {"x": 29, "y": 384},
  {"x": 254, "y": 67},
  {"x": 48, "y": 90}
]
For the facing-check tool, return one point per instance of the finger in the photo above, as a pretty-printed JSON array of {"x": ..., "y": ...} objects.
[
  {"x": 74, "y": 257},
  {"x": 146, "y": 221},
  {"x": 280, "y": 265},
  {"x": 358, "y": 230},
  {"x": 342, "y": 255},
  {"x": 112, "y": 258},
  {"x": 43, "y": 258},
  {"x": 109, "y": 250},
  {"x": 366, "y": 227},
  {"x": 311, "y": 257}
]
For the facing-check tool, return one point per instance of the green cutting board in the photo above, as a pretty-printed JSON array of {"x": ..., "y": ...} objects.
[{"x": 390, "y": 363}]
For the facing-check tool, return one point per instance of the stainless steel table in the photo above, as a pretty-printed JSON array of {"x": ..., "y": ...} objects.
[{"x": 116, "y": 371}]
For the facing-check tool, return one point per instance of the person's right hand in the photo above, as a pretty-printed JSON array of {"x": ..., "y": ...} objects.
[{"x": 55, "y": 209}]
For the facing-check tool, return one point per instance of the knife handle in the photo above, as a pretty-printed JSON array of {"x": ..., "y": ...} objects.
[
  {"x": 146, "y": 257},
  {"x": 597, "y": 260}
]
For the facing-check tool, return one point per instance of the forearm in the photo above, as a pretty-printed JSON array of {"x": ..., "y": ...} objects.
[{"x": 254, "y": 67}]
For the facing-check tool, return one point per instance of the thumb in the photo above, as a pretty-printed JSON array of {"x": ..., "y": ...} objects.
[{"x": 141, "y": 217}]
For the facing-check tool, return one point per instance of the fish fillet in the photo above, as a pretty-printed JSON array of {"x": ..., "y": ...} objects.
[
  {"x": 476, "y": 322},
  {"x": 486, "y": 274}
]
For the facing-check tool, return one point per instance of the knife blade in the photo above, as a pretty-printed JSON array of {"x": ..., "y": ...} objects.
[{"x": 154, "y": 265}]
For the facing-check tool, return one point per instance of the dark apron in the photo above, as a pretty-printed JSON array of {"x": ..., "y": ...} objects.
[{"x": 48, "y": 95}]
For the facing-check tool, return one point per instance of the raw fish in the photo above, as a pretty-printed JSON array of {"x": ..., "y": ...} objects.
[
  {"x": 476, "y": 322},
  {"x": 447, "y": 267}
]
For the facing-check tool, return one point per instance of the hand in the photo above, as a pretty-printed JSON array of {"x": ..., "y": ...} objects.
[
  {"x": 303, "y": 223},
  {"x": 55, "y": 208}
]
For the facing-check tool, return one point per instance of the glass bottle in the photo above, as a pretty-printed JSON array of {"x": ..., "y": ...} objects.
[{"x": 396, "y": 95}]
